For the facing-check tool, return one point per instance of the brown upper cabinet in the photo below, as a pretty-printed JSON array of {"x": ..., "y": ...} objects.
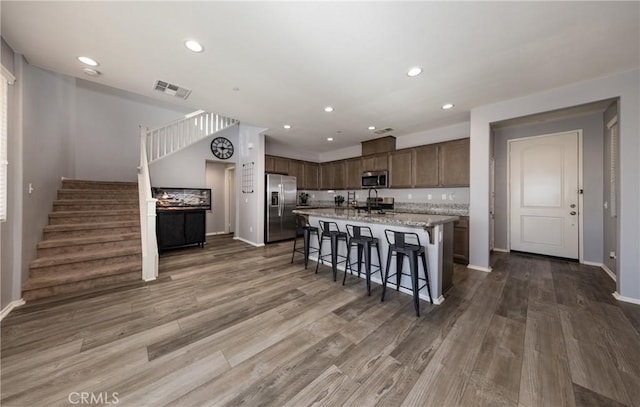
[
  {"x": 326, "y": 176},
  {"x": 276, "y": 165},
  {"x": 377, "y": 162},
  {"x": 296, "y": 169},
  {"x": 332, "y": 175},
  {"x": 401, "y": 169},
  {"x": 339, "y": 176},
  {"x": 425, "y": 166},
  {"x": 430, "y": 166},
  {"x": 311, "y": 171},
  {"x": 454, "y": 163},
  {"x": 379, "y": 145},
  {"x": 353, "y": 173}
]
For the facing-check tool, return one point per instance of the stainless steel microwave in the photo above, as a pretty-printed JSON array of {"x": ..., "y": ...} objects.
[{"x": 375, "y": 179}]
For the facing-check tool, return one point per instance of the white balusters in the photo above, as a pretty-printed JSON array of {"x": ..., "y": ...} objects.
[{"x": 177, "y": 135}]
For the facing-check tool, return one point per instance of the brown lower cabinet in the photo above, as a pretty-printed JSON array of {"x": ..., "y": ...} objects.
[{"x": 461, "y": 240}]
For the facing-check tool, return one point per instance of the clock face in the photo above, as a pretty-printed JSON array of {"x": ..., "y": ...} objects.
[{"x": 222, "y": 148}]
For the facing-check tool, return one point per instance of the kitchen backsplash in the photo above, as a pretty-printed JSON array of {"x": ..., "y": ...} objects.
[{"x": 417, "y": 195}]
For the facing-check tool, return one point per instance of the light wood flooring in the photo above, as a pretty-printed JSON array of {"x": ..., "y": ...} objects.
[{"x": 235, "y": 325}]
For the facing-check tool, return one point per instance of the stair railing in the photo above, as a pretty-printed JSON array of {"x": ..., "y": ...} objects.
[
  {"x": 154, "y": 145},
  {"x": 147, "y": 214},
  {"x": 181, "y": 133}
]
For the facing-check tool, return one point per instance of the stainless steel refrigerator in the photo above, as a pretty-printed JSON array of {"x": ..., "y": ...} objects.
[{"x": 281, "y": 198}]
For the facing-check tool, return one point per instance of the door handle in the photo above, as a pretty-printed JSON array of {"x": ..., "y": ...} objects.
[
  {"x": 281, "y": 202},
  {"x": 572, "y": 213}
]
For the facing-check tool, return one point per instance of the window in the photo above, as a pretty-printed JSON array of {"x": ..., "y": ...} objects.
[{"x": 5, "y": 79}]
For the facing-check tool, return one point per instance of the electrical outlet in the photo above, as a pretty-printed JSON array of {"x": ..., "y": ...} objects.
[
  {"x": 429, "y": 197},
  {"x": 444, "y": 197},
  {"x": 250, "y": 229},
  {"x": 409, "y": 196},
  {"x": 612, "y": 255}
]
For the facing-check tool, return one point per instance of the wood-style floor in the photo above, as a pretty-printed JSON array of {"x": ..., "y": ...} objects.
[{"x": 236, "y": 325}]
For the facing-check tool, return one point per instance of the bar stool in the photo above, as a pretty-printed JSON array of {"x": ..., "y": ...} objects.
[
  {"x": 362, "y": 237},
  {"x": 304, "y": 230},
  {"x": 330, "y": 230},
  {"x": 407, "y": 244}
]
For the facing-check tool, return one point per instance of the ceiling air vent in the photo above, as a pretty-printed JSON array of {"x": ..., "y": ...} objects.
[
  {"x": 383, "y": 131},
  {"x": 172, "y": 90}
]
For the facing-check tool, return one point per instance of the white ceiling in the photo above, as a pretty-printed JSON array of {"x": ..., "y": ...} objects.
[{"x": 290, "y": 59}]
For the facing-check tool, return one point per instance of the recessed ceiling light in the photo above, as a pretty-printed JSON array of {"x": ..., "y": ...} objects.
[
  {"x": 328, "y": 109},
  {"x": 329, "y": 138},
  {"x": 447, "y": 106},
  {"x": 91, "y": 71},
  {"x": 415, "y": 71},
  {"x": 287, "y": 126},
  {"x": 88, "y": 61},
  {"x": 193, "y": 46},
  {"x": 372, "y": 127}
]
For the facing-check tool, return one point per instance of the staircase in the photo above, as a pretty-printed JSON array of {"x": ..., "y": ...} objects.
[{"x": 92, "y": 240}]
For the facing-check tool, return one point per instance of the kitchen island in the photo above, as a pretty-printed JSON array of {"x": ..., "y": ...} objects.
[{"x": 435, "y": 232}]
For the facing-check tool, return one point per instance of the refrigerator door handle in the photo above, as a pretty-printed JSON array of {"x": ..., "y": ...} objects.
[
  {"x": 280, "y": 197},
  {"x": 282, "y": 200}
]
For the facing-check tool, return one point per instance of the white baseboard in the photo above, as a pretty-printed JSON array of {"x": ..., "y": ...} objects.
[
  {"x": 609, "y": 272},
  {"x": 497, "y": 249},
  {"x": 480, "y": 268},
  {"x": 248, "y": 241},
  {"x": 10, "y": 306},
  {"x": 603, "y": 267},
  {"x": 626, "y": 299},
  {"x": 216, "y": 233}
]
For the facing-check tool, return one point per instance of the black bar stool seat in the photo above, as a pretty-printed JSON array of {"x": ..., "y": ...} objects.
[
  {"x": 407, "y": 244},
  {"x": 329, "y": 230},
  {"x": 363, "y": 239},
  {"x": 304, "y": 230}
]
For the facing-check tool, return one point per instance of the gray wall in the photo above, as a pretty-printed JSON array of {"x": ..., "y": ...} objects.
[
  {"x": 214, "y": 179},
  {"x": 592, "y": 175},
  {"x": 48, "y": 130},
  {"x": 107, "y": 144},
  {"x": 610, "y": 225},
  {"x": 187, "y": 168}
]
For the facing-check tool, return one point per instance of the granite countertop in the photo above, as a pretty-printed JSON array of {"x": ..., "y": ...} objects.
[
  {"x": 391, "y": 218},
  {"x": 452, "y": 209}
]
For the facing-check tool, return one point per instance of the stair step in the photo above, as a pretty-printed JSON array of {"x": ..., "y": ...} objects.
[
  {"x": 87, "y": 184},
  {"x": 63, "y": 217},
  {"x": 77, "y": 288},
  {"x": 54, "y": 247},
  {"x": 72, "y": 276},
  {"x": 69, "y": 205},
  {"x": 84, "y": 261},
  {"x": 70, "y": 230},
  {"x": 97, "y": 193}
]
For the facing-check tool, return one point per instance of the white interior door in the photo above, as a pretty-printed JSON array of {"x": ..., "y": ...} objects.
[{"x": 544, "y": 201}]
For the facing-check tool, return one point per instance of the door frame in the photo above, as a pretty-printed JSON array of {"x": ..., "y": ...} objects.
[
  {"x": 228, "y": 201},
  {"x": 580, "y": 188}
]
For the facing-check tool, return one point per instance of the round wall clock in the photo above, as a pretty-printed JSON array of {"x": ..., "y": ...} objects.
[{"x": 222, "y": 148}]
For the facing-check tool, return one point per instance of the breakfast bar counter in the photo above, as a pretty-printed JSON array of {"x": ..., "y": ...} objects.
[{"x": 435, "y": 233}]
